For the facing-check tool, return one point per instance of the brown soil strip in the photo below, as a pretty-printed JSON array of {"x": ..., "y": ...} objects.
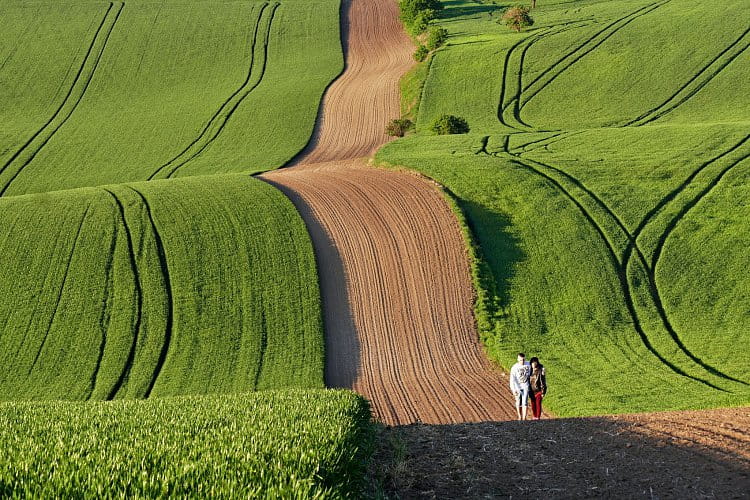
[
  {"x": 694, "y": 454},
  {"x": 394, "y": 273}
]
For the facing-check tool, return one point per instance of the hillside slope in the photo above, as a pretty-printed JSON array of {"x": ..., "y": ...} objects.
[
  {"x": 607, "y": 195},
  {"x": 191, "y": 286}
]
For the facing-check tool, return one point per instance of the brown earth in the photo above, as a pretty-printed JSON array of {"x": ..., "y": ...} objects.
[
  {"x": 692, "y": 454},
  {"x": 394, "y": 273}
]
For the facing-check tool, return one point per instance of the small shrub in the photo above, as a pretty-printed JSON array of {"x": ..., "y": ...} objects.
[
  {"x": 417, "y": 14},
  {"x": 421, "y": 53},
  {"x": 436, "y": 38},
  {"x": 398, "y": 127},
  {"x": 450, "y": 124},
  {"x": 517, "y": 18}
]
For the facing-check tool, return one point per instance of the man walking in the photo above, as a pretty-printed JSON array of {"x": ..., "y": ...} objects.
[{"x": 519, "y": 385}]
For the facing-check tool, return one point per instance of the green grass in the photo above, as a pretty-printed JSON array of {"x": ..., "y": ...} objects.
[
  {"x": 158, "y": 89},
  {"x": 627, "y": 122},
  {"x": 199, "y": 285},
  {"x": 291, "y": 444}
]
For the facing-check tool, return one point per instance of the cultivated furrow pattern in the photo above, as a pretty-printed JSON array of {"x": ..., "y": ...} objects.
[
  {"x": 397, "y": 295},
  {"x": 394, "y": 272}
]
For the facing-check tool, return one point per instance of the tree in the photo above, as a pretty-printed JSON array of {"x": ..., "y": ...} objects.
[
  {"x": 449, "y": 124},
  {"x": 533, "y": 4},
  {"x": 416, "y": 14},
  {"x": 398, "y": 127},
  {"x": 517, "y": 18},
  {"x": 436, "y": 38},
  {"x": 421, "y": 53}
]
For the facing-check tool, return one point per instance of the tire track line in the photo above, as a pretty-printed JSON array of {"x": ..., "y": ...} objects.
[
  {"x": 215, "y": 125},
  {"x": 168, "y": 290},
  {"x": 564, "y": 63},
  {"x": 621, "y": 275},
  {"x": 26, "y": 154},
  {"x": 139, "y": 303},
  {"x": 62, "y": 289},
  {"x": 695, "y": 84}
]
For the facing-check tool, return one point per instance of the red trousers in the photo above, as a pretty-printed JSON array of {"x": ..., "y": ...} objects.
[{"x": 536, "y": 404}]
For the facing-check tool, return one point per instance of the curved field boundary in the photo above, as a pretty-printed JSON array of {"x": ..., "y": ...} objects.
[
  {"x": 696, "y": 83},
  {"x": 509, "y": 111},
  {"x": 555, "y": 70},
  {"x": 393, "y": 266},
  {"x": 615, "y": 235},
  {"x": 31, "y": 148},
  {"x": 216, "y": 124}
]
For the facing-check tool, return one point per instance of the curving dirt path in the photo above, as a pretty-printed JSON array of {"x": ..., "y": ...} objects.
[{"x": 394, "y": 273}]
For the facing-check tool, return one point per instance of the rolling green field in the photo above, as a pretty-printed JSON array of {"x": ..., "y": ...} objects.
[
  {"x": 605, "y": 182},
  {"x": 194, "y": 286},
  {"x": 121, "y": 92},
  {"x": 240, "y": 446}
]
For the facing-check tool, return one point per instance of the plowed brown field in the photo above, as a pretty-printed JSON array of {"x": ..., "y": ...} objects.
[
  {"x": 692, "y": 454},
  {"x": 393, "y": 267}
]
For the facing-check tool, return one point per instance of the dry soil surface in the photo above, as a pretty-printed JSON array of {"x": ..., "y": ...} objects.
[
  {"x": 692, "y": 454},
  {"x": 394, "y": 273}
]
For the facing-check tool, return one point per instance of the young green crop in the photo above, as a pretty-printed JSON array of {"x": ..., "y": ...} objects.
[
  {"x": 288, "y": 444},
  {"x": 199, "y": 285},
  {"x": 131, "y": 91},
  {"x": 603, "y": 183}
]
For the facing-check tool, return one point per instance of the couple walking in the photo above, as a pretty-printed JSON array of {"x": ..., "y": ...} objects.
[{"x": 528, "y": 383}]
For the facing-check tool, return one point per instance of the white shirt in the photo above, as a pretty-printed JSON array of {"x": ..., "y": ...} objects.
[{"x": 519, "y": 376}]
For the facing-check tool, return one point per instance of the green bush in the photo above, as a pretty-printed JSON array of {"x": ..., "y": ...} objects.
[
  {"x": 417, "y": 14},
  {"x": 421, "y": 53},
  {"x": 517, "y": 18},
  {"x": 449, "y": 124},
  {"x": 436, "y": 38},
  {"x": 398, "y": 127}
]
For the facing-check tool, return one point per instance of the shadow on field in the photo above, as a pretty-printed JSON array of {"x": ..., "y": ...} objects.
[
  {"x": 342, "y": 347},
  {"x": 500, "y": 248},
  {"x": 454, "y": 9},
  {"x": 603, "y": 456}
]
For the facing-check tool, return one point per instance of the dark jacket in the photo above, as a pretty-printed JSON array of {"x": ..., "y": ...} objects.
[{"x": 538, "y": 381}]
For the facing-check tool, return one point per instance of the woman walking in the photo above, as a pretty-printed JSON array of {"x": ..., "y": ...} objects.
[{"x": 538, "y": 385}]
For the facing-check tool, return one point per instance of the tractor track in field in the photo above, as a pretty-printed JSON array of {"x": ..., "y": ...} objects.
[
  {"x": 527, "y": 43},
  {"x": 623, "y": 262},
  {"x": 60, "y": 292},
  {"x": 167, "y": 290},
  {"x": 138, "y": 303},
  {"x": 31, "y": 148},
  {"x": 393, "y": 266},
  {"x": 532, "y": 89},
  {"x": 696, "y": 83},
  {"x": 215, "y": 125}
]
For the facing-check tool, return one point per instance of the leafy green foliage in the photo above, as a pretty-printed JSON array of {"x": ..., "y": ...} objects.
[
  {"x": 436, "y": 37},
  {"x": 398, "y": 127},
  {"x": 421, "y": 53},
  {"x": 417, "y": 14},
  {"x": 114, "y": 292},
  {"x": 517, "y": 18},
  {"x": 449, "y": 124},
  {"x": 295, "y": 444}
]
